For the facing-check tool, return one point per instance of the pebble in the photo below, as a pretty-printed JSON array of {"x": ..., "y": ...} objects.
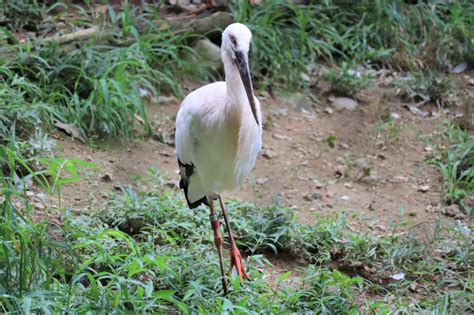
[
  {"x": 312, "y": 197},
  {"x": 340, "y": 170},
  {"x": 413, "y": 287},
  {"x": 39, "y": 206},
  {"x": 269, "y": 154},
  {"x": 279, "y": 136},
  {"x": 172, "y": 184},
  {"x": 424, "y": 188},
  {"x": 318, "y": 184},
  {"x": 106, "y": 178},
  {"x": 395, "y": 116},
  {"x": 454, "y": 211},
  {"x": 345, "y": 198},
  {"x": 400, "y": 179},
  {"x": 262, "y": 180},
  {"x": 344, "y": 146},
  {"x": 328, "y": 110},
  {"x": 341, "y": 103}
]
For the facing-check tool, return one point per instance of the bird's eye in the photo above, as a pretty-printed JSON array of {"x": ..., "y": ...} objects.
[{"x": 233, "y": 41}]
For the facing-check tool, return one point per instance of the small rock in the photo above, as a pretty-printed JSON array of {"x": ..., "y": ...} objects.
[
  {"x": 165, "y": 99},
  {"x": 341, "y": 103},
  {"x": 398, "y": 276},
  {"x": 340, "y": 170},
  {"x": 415, "y": 110},
  {"x": 312, "y": 197},
  {"x": 328, "y": 110},
  {"x": 262, "y": 180},
  {"x": 39, "y": 206},
  {"x": 344, "y": 146},
  {"x": 180, "y": 2},
  {"x": 269, "y": 154},
  {"x": 163, "y": 137},
  {"x": 424, "y": 188},
  {"x": 428, "y": 148},
  {"x": 453, "y": 211},
  {"x": 345, "y": 198},
  {"x": 348, "y": 185},
  {"x": 471, "y": 81},
  {"x": 413, "y": 287},
  {"x": 172, "y": 184},
  {"x": 400, "y": 179},
  {"x": 279, "y": 136},
  {"x": 143, "y": 92},
  {"x": 209, "y": 52},
  {"x": 318, "y": 184},
  {"x": 106, "y": 178},
  {"x": 460, "y": 68},
  {"x": 395, "y": 116}
]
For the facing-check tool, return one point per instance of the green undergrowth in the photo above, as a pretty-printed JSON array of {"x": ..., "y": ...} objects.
[
  {"x": 415, "y": 36},
  {"x": 97, "y": 88},
  {"x": 145, "y": 251},
  {"x": 455, "y": 161}
]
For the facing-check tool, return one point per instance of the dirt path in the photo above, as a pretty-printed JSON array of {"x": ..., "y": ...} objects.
[{"x": 374, "y": 173}]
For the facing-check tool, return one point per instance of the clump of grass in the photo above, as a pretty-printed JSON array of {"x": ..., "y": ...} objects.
[
  {"x": 22, "y": 14},
  {"x": 456, "y": 163},
  {"x": 347, "y": 81},
  {"x": 22, "y": 106},
  {"x": 388, "y": 131}
]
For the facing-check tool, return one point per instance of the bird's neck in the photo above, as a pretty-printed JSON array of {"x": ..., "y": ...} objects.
[{"x": 236, "y": 95}]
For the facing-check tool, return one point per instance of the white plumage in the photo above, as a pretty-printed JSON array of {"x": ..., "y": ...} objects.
[{"x": 218, "y": 127}]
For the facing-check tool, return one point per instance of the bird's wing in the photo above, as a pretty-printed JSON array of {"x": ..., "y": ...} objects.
[
  {"x": 184, "y": 141},
  {"x": 191, "y": 116}
]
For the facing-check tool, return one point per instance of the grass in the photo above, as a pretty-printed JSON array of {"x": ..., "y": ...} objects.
[
  {"x": 455, "y": 160},
  {"x": 347, "y": 81},
  {"x": 396, "y": 34},
  {"x": 145, "y": 251},
  {"x": 98, "y": 88}
]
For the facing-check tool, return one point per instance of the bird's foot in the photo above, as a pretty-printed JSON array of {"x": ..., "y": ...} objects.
[{"x": 236, "y": 261}]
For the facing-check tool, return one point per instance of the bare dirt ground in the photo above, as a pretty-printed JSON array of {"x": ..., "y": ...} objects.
[{"x": 374, "y": 176}]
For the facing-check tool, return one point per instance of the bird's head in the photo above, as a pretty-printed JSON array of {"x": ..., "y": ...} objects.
[{"x": 236, "y": 40}]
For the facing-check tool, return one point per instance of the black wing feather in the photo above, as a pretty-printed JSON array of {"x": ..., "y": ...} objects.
[{"x": 184, "y": 183}]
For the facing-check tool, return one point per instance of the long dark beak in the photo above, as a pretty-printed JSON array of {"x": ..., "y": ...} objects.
[{"x": 242, "y": 61}]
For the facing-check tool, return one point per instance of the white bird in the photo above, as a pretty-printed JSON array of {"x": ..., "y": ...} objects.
[{"x": 218, "y": 137}]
